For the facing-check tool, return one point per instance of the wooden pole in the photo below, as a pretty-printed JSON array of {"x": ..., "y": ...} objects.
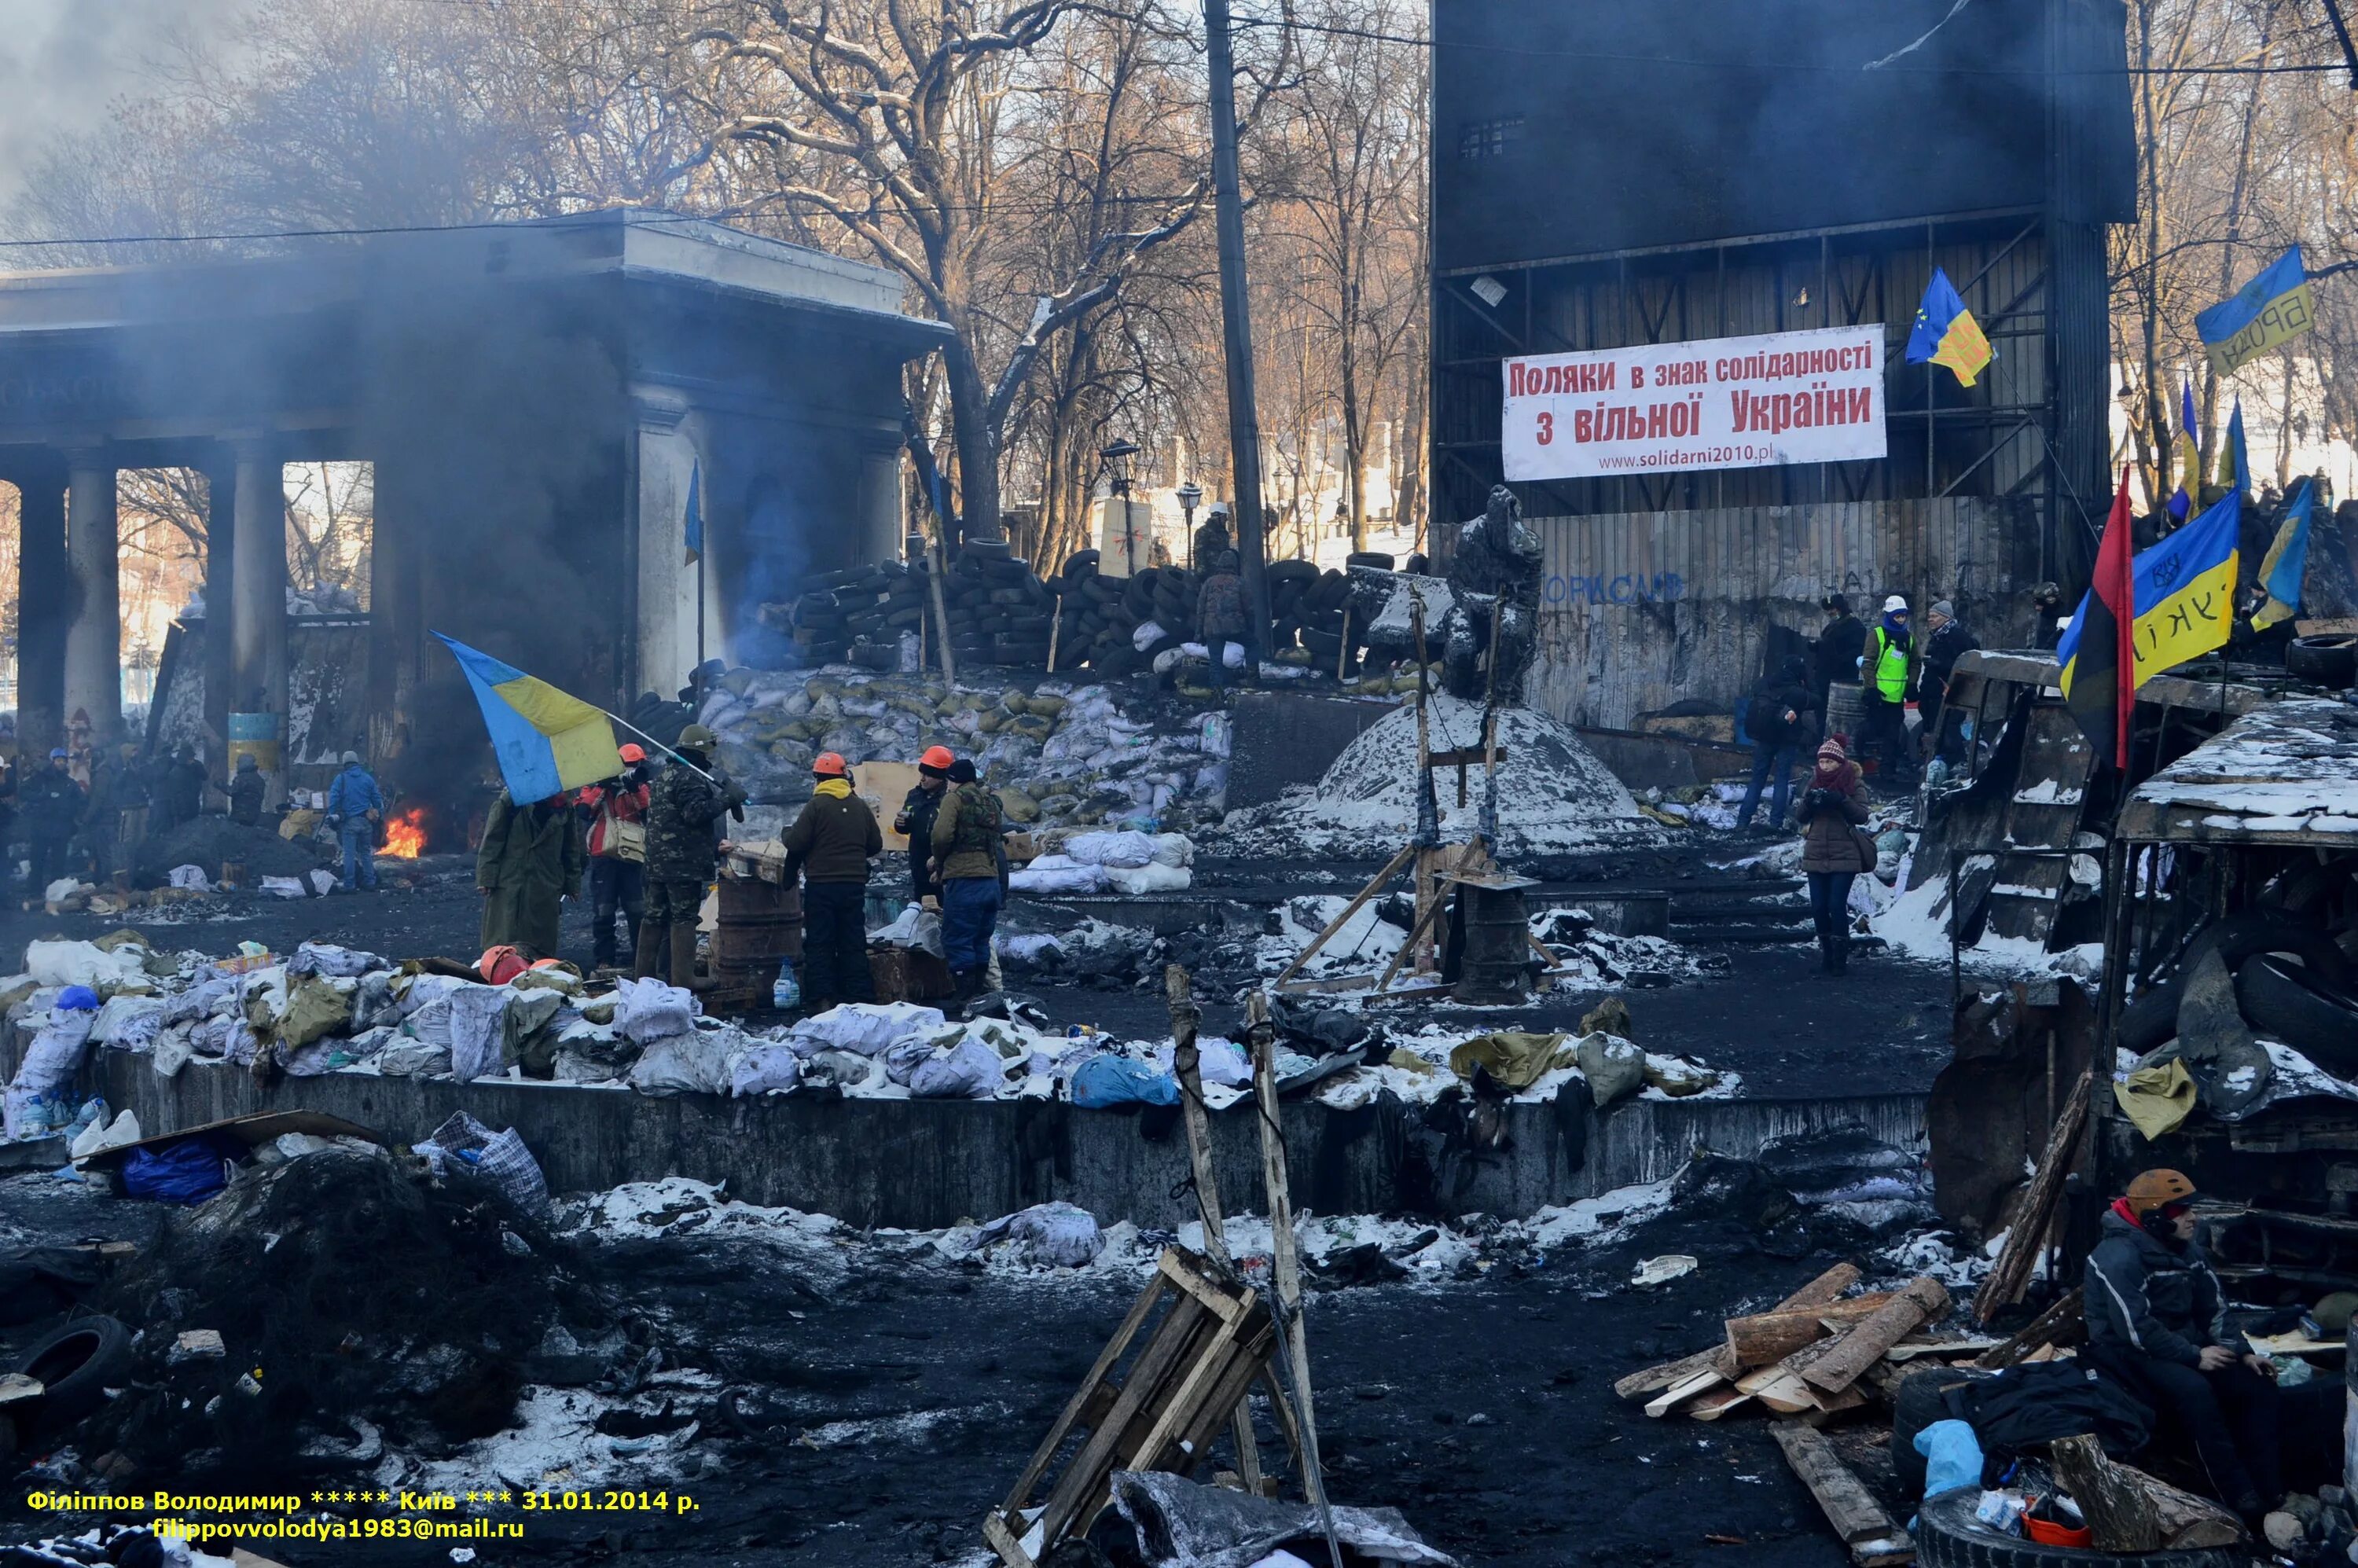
[
  {"x": 1236, "y": 314},
  {"x": 1187, "y": 1067},
  {"x": 1375, "y": 884},
  {"x": 1056, "y": 630},
  {"x": 1285, "y": 1261},
  {"x": 941, "y": 613},
  {"x": 1343, "y": 654},
  {"x": 1425, "y": 917},
  {"x": 2034, "y": 1217}
]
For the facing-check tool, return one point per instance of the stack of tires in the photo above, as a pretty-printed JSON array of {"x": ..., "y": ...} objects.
[
  {"x": 1309, "y": 606},
  {"x": 1103, "y": 614},
  {"x": 855, "y": 616},
  {"x": 999, "y": 613}
]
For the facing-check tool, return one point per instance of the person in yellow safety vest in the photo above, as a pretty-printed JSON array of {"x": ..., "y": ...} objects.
[{"x": 1883, "y": 675}]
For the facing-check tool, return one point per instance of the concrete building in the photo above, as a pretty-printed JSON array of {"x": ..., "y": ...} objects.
[{"x": 537, "y": 401}]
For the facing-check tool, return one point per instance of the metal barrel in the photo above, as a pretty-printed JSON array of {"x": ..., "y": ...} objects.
[
  {"x": 1846, "y": 711},
  {"x": 758, "y": 925},
  {"x": 1496, "y": 966}
]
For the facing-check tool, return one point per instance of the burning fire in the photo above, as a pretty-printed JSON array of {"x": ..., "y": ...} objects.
[{"x": 405, "y": 834}]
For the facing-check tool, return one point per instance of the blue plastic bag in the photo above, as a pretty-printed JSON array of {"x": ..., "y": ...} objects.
[
  {"x": 1952, "y": 1456},
  {"x": 187, "y": 1172},
  {"x": 1104, "y": 1082}
]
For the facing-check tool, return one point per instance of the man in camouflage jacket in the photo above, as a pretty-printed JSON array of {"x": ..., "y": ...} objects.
[{"x": 684, "y": 811}]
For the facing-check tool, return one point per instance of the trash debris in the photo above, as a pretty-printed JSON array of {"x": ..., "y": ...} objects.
[{"x": 1663, "y": 1269}]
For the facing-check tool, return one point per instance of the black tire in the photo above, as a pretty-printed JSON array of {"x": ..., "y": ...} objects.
[
  {"x": 1382, "y": 560},
  {"x": 2152, "y": 1018},
  {"x": 1949, "y": 1536},
  {"x": 2327, "y": 660},
  {"x": 1917, "y": 1403},
  {"x": 1324, "y": 645},
  {"x": 2301, "y": 1008},
  {"x": 76, "y": 1364},
  {"x": 1292, "y": 571}
]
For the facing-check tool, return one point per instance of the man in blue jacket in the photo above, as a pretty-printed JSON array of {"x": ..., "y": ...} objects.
[{"x": 355, "y": 806}]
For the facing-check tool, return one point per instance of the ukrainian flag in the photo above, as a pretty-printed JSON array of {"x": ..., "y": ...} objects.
[
  {"x": 2184, "y": 591},
  {"x": 2287, "y": 560},
  {"x": 2190, "y": 456},
  {"x": 2265, "y": 313},
  {"x": 1946, "y": 333},
  {"x": 547, "y": 741}
]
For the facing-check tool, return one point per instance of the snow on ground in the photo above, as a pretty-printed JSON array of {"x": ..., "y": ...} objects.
[{"x": 1916, "y": 925}]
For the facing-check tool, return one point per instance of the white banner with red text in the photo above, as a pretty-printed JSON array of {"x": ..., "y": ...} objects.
[{"x": 1720, "y": 403}]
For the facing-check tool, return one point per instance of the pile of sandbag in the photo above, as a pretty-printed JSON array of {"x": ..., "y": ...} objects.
[{"x": 1125, "y": 862}]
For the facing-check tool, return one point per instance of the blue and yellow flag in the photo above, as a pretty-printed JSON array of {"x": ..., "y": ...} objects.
[
  {"x": 2287, "y": 560},
  {"x": 2236, "y": 465},
  {"x": 692, "y": 525},
  {"x": 1946, "y": 333},
  {"x": 2267, "y": 312},
  {"x": 2184, "y": 591},
  {"x": 2190, "y": 456},
  {"x": 547, "y": 741}
]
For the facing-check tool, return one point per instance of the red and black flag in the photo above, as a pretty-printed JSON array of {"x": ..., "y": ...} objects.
[{"x": 2099, "y": 660}]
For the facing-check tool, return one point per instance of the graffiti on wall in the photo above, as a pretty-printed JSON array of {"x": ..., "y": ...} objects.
[{"x": 1629, "y": 588}]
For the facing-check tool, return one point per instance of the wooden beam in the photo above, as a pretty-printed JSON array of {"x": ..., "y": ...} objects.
[
  {"x": 1463, "y": 757},
  {"x": 1285, "y": 1261},
  {"x": 2064, "y": 1323},
  {"x": 1764, "y": 1337},
  {"x": 1866, "y": 1530},
  {"x": 2130, "y": 1512},
  {"x": 1374, "y": 886},
  {"x": 1919, "y": 1301},
  {"x": 2034, "y": 1216},
  {"x": 1653, "y": 1379},
  {"x": 1685, "y": 1388}
]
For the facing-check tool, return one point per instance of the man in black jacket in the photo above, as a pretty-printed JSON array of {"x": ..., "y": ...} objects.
[
  {"x": 1950, "y": 640},
  {"x": 1777, "y": 717},
  {"x": 2153, "y": 1309},
  {"x": 1838, "y": 647},
  {"x": 50, "y": 803}
]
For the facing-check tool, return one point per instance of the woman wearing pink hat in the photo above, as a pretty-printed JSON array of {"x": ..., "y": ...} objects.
[{"x": 1832, "y": 810}]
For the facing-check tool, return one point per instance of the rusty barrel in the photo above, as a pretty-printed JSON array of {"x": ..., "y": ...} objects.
[
  {"x": 757, "y": 926},
  {"x": 1494, "y": 967},
  {"x": 1845, "y": 712}
]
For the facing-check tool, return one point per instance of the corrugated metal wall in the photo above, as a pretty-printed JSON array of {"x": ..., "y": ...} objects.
[{"x": 1642, "y": 610}]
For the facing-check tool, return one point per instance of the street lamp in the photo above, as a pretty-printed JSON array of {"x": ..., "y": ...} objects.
[
  {"x": 1189, "y": 494},
  {"x": 1116, "y": 459}
]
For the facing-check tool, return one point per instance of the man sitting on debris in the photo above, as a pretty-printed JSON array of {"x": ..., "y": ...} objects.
[
  {"x": 2153, "y": 1309},
  {"x": 915, "y": 821},
  {"x": 969, "y": 857},
  {"x": 829, "y": 844},
  {"x": 685, "y": 805}
]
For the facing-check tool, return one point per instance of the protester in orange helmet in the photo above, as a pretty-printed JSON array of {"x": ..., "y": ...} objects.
[
  {"x": 915, "y": 819},
  {"x": 616, "y": 810},
  {"x": 829, "y": 844}
]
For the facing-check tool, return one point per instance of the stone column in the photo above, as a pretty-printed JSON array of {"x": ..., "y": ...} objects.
[
  {"x": 219, "y": 663},
  {"x": 44, "y": 596},
  {"x": 258, "y": 607},
  {"x": 94, "y": 634},
  {"x": 395, "y": 607}
]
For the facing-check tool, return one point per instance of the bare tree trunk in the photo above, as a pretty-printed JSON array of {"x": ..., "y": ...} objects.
[
  {"x": 1407, "y": 461},
  {"x": 2149, "y": 152},
  {"x": 2237, "y": 191}
]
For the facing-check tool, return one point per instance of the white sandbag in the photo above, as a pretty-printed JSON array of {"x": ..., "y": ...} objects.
[
  {"x": 1147, "y": 634},
  {"x": 102, "y": 970},
  {"x": 1232, "y": 653},
  {"x": 412, "y": 1059},
  {"x": 1056, "y": 874},
  {"x": 769, "y": 1068},
  {"x": 1220, "y": 1062},
  {"x": 326, "y": 958},
  {"x": 128, "y": 1020},
  {"x": 866, "y": 1027},
  {"x": 697, "y": 1061},
  {"x": 917, "y": 928},
  {"x": 1136, "y": 881},
  {"x": 37, "y": 1096},
  {"x": 474, "y": 1029},
  {"x": 97, "y": 1139},
  {"x": 171, "y": 1053},
  {"x": 191, "y": 878},
  {"x": 414, "y": 992},
  {"x": 1173, "y": 850},
  {"x": 285, "y": 887},
  {"x": 967, "y": 1070},
  {"x": 1109, "y": 849},
  {"x": 647, "y": 1010},
  {"x": 1048, "y": 1235},
  {"x": 64, "y": 888}
]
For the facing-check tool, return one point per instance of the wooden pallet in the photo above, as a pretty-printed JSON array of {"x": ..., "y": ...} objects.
[{"x": 1214, "y": 1340}]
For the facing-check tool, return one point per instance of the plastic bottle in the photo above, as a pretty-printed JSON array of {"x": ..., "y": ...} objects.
[{"x": 786, "y": 993}]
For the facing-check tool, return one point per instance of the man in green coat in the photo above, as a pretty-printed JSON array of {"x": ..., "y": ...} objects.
[{"x": 532, "y": 859}]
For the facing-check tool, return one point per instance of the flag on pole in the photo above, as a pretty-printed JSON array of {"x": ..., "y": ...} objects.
[
  {"x": 692, "y": 528},
  {"x": 547, "y": 741},
  {"x": 2185, "y": 589},
  {"x": 2190, "y": 456},
  {"x": 1946, "y": 333},
  {"x": 2267, "y": 312},
  {"x": 2235, "y": 466},
  {"x": 2094, "y": 652},
  {"x": 2287, "y": 560}
]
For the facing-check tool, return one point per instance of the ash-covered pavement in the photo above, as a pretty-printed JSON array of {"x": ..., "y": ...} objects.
[{"x": 861, "y": 1403}]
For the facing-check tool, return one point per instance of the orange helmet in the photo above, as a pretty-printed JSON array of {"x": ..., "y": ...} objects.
[
  {"x": 634, "y": 754},
  {"x": 827, "y": 765},
  {"x": 937, "y": 759}
]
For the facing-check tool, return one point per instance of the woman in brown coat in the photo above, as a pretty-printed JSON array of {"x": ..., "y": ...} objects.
[{"x": 1831, "y": 809}]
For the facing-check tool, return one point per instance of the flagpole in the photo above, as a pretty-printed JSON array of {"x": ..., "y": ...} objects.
[{"x": 659, "y": 746}]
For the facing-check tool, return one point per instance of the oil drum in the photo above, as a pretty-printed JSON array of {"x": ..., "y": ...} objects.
[
  {"x": 758, "y": 925},
  {"x": 1496, "y": 967}
]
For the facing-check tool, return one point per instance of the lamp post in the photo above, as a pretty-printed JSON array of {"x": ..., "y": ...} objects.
[
  {"x": 1189, "y": 494},
  {"x": 1116, "y": 459}
]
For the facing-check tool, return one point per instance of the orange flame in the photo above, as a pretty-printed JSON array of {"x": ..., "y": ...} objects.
[{"x": 405, "y": 835}]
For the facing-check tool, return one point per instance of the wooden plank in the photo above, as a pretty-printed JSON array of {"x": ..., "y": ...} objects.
[
  {"x": 2034, "y": 1217},
  {"x": 1463, "y": 757},
  {"x": 1781, "y": 1391},
  {"x": 1717, "y": 1403},
  {"x": 1004, "y": 1541},
  {"x": 1374, "y": 885},
  {"x": 1285, "y": 1264},
  {"x": 1905, "y": 1351},
  {"x": 1679, "y": 1392},
  {"x": 1021, "y": 1494},
  {"x": 1174, "y": 1341},
  {"x": 1764, "y": 1337},
  {"x": 1828, "y": 1286},
  {"x": 1919, "y": 1301},
  {"x": 1653, "y": 1379},
  {"x": 1856, "y": 1517}
]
